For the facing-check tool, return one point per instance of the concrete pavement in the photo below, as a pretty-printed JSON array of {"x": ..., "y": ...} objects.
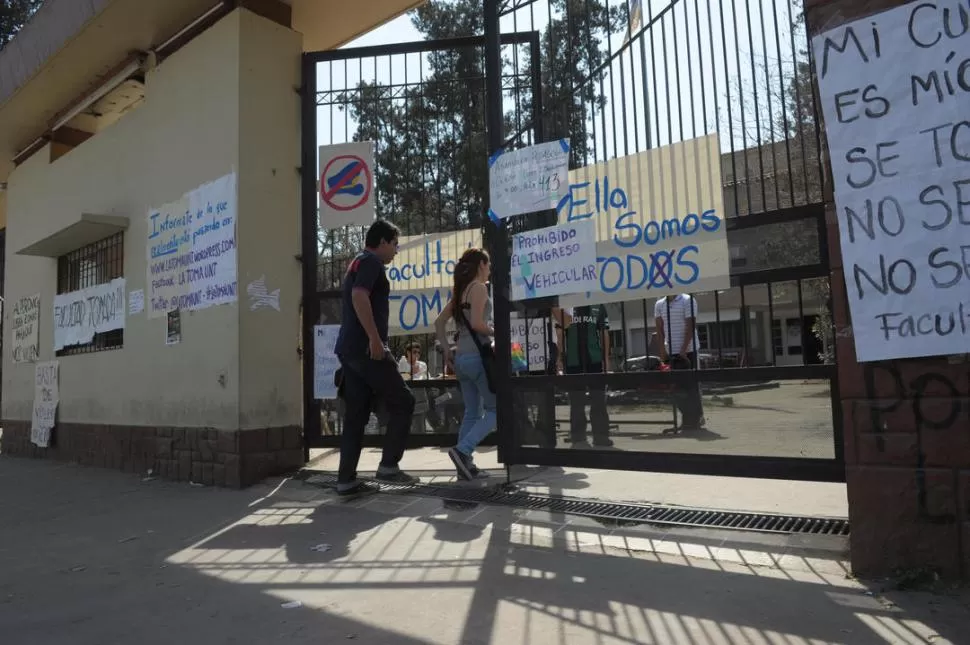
[{"x": 96, "y": 557}]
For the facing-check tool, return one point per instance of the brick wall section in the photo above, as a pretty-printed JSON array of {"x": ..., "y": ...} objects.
[
  {"x": 212, "y": 457},
  {"x": 906, "y": 423}
]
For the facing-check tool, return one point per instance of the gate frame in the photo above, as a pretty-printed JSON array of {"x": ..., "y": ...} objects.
[
  {"x": 511, "y": 453},
  {"x": 311, "y": 297},
  {"x": 497, "y": 239}
]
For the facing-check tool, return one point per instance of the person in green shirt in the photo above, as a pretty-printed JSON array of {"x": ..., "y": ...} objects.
[{"x": 587, "y": 351}]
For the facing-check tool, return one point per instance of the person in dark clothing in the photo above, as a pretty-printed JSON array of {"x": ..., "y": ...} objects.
[
  {"x": 587, "y": 350},
  {"x": 368, "y": 368}
]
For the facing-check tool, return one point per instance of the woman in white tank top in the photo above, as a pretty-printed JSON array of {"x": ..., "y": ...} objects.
[{"x": 471, "y": 308}]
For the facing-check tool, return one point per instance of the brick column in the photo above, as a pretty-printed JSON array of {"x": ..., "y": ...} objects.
[{"x": 906, "y": 422}]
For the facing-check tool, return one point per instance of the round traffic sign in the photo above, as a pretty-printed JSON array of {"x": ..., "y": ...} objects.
[{"x": 345, "y": 183}]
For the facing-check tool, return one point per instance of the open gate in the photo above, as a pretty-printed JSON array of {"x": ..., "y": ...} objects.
[{"x": 618, "y": 79}]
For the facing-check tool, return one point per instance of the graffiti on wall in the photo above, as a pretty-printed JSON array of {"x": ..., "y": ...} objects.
[{"x": 937, "y": 406}]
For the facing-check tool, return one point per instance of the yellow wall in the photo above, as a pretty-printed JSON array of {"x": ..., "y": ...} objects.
[{"x": 215, "y": 106}]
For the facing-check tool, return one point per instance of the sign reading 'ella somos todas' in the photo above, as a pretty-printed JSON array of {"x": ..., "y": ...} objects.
[{"x": 895, "y": 89}]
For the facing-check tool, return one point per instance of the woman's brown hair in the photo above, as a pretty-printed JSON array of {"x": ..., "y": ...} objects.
[{"x": 466, "y": 271}]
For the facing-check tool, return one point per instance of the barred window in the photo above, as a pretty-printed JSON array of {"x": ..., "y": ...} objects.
[{"x": 91, "y": 265}]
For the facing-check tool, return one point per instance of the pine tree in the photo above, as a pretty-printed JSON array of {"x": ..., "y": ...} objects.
[{"x": 14, "y": 14}]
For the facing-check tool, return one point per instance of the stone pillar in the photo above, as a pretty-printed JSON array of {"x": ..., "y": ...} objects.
[{"x": 906, "y": 422}]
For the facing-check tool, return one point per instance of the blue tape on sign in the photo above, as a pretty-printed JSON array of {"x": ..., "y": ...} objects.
[
  {"x": 495, "y": 218},
  {"x": 564, "y": 144},
  {"x": 494, "y": 157}
]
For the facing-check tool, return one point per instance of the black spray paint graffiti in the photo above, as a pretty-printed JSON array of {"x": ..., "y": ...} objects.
[{"x": 928, "y": 385}]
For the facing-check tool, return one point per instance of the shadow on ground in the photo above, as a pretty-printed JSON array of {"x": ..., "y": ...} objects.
[{"x": 93, "y": 557}]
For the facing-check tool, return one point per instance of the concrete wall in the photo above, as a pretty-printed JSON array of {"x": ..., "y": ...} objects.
[
  {"x": 269, "y": 222},
  {"x": 906, "y": 423},
  {"x": 225, "y": 101}
]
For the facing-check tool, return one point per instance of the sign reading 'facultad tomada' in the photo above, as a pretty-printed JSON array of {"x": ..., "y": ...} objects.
[
  {"x": 894, "y": 90},
  {"x": 79, "y": 315}
]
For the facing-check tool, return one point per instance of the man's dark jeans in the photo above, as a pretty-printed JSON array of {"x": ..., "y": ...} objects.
[
  {"x": 364, "y": 382},
  {"x": 599, "y": 418},
  {"x": 689, "y": 398}
]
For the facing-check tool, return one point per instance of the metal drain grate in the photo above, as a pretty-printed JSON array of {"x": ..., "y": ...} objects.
[{"x": 610, "y": 511}]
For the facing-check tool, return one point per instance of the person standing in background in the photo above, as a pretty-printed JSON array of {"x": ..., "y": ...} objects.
[
  {"x": 675, "y": 318},
  {"x": 367, "y": 367},
  {"x": 412, "y": 368},
  {"x": 587, "y": 351}
]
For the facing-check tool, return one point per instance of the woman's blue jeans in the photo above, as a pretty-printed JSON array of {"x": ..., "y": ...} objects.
[{"x": 479, "y": 402}]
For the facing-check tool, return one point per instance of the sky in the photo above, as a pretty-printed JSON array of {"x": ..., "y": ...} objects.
[
  {"x": 702, "y": 66},
  {"x": 691, "y": 62}
]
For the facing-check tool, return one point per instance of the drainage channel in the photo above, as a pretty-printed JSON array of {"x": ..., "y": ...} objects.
[{"x": 610, "y": 511}]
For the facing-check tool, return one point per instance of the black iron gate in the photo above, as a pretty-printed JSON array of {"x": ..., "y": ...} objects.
[
  {"x": 431, "y": 178},
  {"x": 619, "y": 79}
]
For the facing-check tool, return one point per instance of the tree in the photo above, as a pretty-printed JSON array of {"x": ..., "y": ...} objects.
[
  {"x": 14, "y": 14},
  {"x": 431, "y": 141}
]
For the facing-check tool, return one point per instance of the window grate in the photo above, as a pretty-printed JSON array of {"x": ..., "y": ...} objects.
[{"x": 91, "y": 265}]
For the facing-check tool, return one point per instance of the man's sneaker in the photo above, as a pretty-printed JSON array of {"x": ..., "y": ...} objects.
[
  {"x": 463, "y": 464},
  {"x": 396, "y": 477},
  {"x": 358, "y": 489},
  {"x": 602, "y": 443}
]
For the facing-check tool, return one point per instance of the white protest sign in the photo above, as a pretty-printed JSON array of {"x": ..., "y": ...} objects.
[
  {"x": 325, "y": 362},
  {"x": 533, "y": 335},
  {"x": 893, "y": 91},
  {"x": 79, "y": 315},
  {"x": 422, "y": 275},
  {"x": 136, "y": 302},
  {"x": 659, "y": 220},
  {"x": 529, "y": 179},
  {"x": 46, "y": 398},
  {"x": 555, "y": 260},
  {"x": 346, "y": 184},
  {"x": 26, "y": 329},
  {"x": 191, "y": 249}
]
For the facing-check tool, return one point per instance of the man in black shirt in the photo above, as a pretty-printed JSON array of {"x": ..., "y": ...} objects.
[{"x": 368, "y": 368}]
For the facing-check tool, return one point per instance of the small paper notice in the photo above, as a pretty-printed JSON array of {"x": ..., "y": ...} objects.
[
  {"x": 136, "y": 302},
  {"x": 46, "y": 398}
]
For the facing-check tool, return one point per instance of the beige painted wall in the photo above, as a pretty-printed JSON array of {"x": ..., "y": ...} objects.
[
  {"x": 269, "y": 222},
  {"x": 203, "y": 117}
]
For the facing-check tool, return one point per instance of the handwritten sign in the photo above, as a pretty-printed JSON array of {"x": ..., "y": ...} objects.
[
  {"x": 46, "y": 398},
  {"x": 528, "y": 180},
  {"x": 893, "y": 91},
  {"x": 325, "y": 362},
  {"x": 79, "y": 315},
  {"x": 555, "y": 260},
  {"x": 136, "y": 302},
  {"x": 191, "y": 249},
  {"x": 26, "y": 329},
  {"x": 346, "y": 184},
  {"x": 422, "y": 276},
  {"x": 533, "y": 335},
  {"x": 659, "y": 221}
]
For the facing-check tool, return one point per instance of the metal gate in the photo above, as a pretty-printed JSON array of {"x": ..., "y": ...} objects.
[
  {"x": 431, "y": 178},
  {"x": 617, "y": 78}
]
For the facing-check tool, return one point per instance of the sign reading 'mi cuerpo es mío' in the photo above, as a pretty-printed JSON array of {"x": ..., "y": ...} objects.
[
  {"x": 191, "y": 249},
  {"x": 894, "y": 94},
  {"x": 659, "y": 222}
]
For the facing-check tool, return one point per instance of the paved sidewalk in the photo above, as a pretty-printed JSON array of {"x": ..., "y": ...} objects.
[
  {"x": 725, "y": 493},
  {"x": 96, "y": 557}
]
